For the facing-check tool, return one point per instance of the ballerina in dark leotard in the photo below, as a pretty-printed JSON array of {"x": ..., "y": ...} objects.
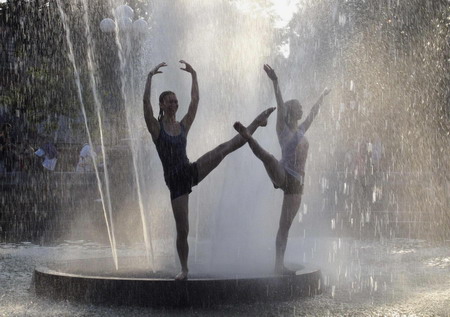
[{"x": 170, "y": 138}]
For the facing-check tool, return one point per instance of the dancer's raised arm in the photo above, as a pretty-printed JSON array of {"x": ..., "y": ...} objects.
[
  {"x": 195, "y": 97},
  {"x": 314, "y": 110},
  {"x": 150, "y": 120},
  {"x": 281, "y": 109}
]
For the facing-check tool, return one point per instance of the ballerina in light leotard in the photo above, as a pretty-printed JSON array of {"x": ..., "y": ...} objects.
[{"x": 288, "y": 174}]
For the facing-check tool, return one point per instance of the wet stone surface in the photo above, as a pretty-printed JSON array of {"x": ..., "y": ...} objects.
[{"x": 394, "y": 278}]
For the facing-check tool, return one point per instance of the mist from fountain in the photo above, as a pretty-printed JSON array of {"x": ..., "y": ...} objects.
[
  {"x": 235, "y": 70},
  {"x": 228, "y": 226},
  {"x": 234, "y": 212}
]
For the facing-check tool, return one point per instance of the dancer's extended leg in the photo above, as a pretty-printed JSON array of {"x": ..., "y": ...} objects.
[
  {"x": 274, "y": 169},
  {"x": 181, "y": 212},
  {"x": 212, "y": 159}
]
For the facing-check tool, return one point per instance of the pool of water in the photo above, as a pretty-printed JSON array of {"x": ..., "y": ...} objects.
[{"x": 400, "y": 277}]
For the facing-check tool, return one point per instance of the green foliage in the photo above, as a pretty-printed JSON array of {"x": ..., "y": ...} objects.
[{"x": 44, "y": 85}]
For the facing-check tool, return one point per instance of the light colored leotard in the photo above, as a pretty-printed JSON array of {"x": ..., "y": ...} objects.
[{"x": 293, "y": 158}]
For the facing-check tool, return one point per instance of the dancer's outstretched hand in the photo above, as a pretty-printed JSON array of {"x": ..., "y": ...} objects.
[
  {"x": 261, "y": 119},
  {"x": 187, "y": 67},
  {"x": 270, "y": 72},
  {"x": 156, "y": 70}
]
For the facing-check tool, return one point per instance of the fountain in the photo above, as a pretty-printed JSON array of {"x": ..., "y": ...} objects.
[
  {"x": 374, "y": 216},
  {"x": 214, "y": 276}
]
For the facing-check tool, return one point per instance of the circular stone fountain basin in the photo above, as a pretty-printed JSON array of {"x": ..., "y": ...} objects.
[{"x": 97, "y": 281}]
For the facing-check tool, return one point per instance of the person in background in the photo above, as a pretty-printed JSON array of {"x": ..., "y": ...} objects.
[
  {"x": 49, "y": 153},
  {"x": 87, "y": 159}
]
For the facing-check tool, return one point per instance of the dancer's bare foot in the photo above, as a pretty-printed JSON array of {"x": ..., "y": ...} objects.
[
  {"x": 182, "y": 276},
  {"x": 242, "y": 130},
  {"x": 282, "y": 270},
  {"x": 263, "y": 116}
]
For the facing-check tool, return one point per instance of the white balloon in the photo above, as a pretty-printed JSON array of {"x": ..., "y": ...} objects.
[
  {"x": 124, "y": 11},
  {"x": 107, "y": 25},
  {"x": 140, "y": 26},
  {"x": 125, "y": 24}
]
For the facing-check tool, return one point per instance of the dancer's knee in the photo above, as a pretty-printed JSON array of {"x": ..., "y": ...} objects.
[
  {"x": 268, "y": 159},
  {"x": 226, "y": 148},
  {"x": 282, "y": 234},
  {"x": 285, "y": 225},
  {"x": 182, "y": 229},
  {"x": 182, "y": 233}
]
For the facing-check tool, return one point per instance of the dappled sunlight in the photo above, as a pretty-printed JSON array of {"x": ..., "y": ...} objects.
[
  {"x": 403, "y": 251},
  {"x": 440, "y": 262}
]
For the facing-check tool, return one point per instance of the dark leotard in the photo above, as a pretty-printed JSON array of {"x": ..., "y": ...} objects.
[{"x": 180, "y": 175}]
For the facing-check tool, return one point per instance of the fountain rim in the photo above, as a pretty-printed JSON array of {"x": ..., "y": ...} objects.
[
  {"x": 167, "y": 292},
  {"x": 306, "y": 269}
]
